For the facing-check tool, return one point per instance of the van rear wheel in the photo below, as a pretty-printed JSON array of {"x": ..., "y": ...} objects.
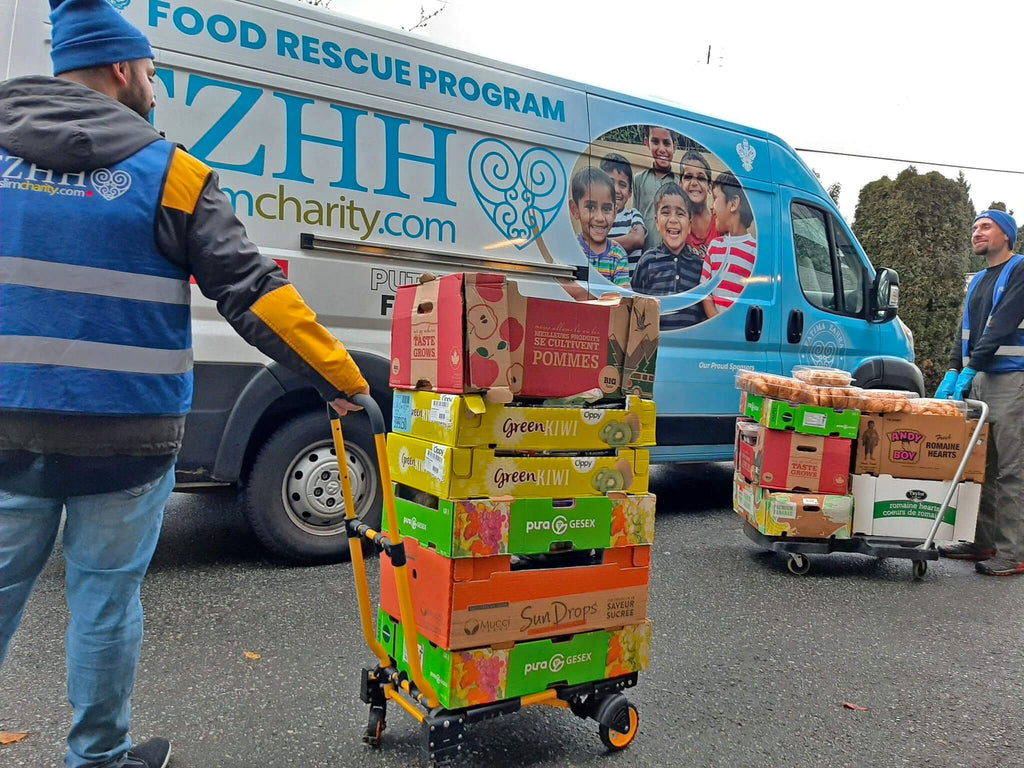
[{"x": 293, "y": 498}]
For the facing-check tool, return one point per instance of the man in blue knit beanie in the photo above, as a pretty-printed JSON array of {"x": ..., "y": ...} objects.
[
  {"x": 95, "y": 343},
  {"x": 987, "y": 363}
]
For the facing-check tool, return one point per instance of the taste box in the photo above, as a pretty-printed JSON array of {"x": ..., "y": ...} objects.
[
  {"x": 784, "y": 460},
  {"x": 481, "y": 601},
  {"x": 507, "y": 526},
  {"x": 919, "y": 446},
  {"x": 467, "y": 421},
  {"x": 465, "y": 473},
  {"x": 470, "y": 332},
  {"x": 484, "y": 675}
]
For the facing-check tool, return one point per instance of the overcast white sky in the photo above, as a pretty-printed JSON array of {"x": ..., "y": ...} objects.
[{"x": 924, "y": 81}]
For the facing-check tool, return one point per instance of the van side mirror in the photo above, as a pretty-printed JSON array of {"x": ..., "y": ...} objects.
[{"x": 885, "y": 295}]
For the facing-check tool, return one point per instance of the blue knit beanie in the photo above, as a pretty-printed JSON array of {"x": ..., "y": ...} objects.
[
  {"x": 90, "y": 33},
  {"x": 1004, "y": 221}
]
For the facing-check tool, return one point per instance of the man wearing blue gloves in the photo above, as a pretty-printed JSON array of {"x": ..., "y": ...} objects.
[{"x": 988, "y": 364}]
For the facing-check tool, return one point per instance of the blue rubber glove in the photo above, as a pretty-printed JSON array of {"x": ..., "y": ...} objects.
[
  {"x": 945, "y": 390},
  {"x": 963, "y": 383}
]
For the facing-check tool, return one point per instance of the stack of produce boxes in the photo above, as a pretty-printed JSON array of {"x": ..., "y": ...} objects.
[
  {"x": 906, "y": 458},
  {"x": 528, "y": 522},
  {"x": 793, "y": 448}
]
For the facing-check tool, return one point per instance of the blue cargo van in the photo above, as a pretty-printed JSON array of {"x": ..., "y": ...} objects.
[{"x": 360, "y": 157}]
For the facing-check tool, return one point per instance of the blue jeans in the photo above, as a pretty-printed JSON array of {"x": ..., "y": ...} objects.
[{"x": 109, "y": 539}]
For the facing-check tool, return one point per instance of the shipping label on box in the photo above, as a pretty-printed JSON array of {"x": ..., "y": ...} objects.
[
  {"x": 465, "y": 473},
  {"x": 485, "y": 527},
  {"x": 805, "y": 419},
  {"x": 473, "y": 332},
  {"x": 485, "y": 674},
  {"x": 470, "y": 421},
  {"x": 785, "y": 460},
  {"x": 906, "y": 507},
  {"x": 482, "y": 601},
  {"x": 919, "y": 446}
]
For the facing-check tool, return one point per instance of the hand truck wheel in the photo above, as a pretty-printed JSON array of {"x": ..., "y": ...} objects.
[
  {"x": 618, "y": 720},
  {"x": 375, "y": 727},
  {"x": 919, "y": 569}
]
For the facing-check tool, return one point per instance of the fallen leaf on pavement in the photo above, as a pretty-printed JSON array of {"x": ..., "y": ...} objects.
[
  {"x": 12, "y": 738},
  {"x": 251, "y": 655},
  {"x": 854, "y": 707}
]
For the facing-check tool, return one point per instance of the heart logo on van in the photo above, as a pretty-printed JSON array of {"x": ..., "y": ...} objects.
[
  {"x": 520, "y": 195},
  {"x": 110, "y": 184}
]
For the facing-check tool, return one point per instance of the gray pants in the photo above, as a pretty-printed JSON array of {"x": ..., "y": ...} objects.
[{"x": 1001, "y": 514}]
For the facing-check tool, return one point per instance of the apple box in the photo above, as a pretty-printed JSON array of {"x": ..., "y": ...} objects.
[
  {"x": 487, "y": 674},
  {"x": 906, "y": 507},
  {"x": 919, "y": 446},
  {"x": 784, "y": 460},
  {"x": 470, "y": 332}
]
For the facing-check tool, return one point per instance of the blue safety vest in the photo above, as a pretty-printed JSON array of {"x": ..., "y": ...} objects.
[
  {"x": 1009, "y": 356},
  {"x": 93, "y": 319}
]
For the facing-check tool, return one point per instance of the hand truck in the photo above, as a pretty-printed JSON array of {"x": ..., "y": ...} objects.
[{"x": 443, "y": 730}]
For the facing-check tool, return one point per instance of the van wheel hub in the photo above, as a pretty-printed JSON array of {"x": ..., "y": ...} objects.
[{"x": 311, "y": 488}]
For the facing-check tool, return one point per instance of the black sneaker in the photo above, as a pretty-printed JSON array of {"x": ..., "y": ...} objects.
[
  {"x": 966, "y": 550},
  {"x": 1001, "y": 566},
  {"x": 149, "y": 754}
]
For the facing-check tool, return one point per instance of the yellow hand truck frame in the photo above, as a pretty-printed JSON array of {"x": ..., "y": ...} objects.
[{"x": 443, "y": 730}]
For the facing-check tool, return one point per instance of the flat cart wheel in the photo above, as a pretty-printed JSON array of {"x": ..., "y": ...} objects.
[
  {"x": 919, "y": 569},
  {"x": 616, "y": 740},
  {"x": 375, "y": 728},
  {"x": 798, "y": 564}
]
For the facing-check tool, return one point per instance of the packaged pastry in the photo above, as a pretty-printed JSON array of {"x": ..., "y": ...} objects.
[
  {"x": 886, "y": 400},
  {"x": 774, "y": 386},
  {"x": 822, "y": 377},
  {"x": 840, "y": 397},
  {"x": 930, "y": 406}
]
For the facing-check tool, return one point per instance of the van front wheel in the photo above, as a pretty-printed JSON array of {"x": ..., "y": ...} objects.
[{"x": 293, "y": 498}]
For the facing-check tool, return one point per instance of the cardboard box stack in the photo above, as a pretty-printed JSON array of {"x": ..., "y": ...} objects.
[
  {"x": 818, "y": 458},
  {"x": 528, "y": 523},
  {"x": 793, "y": 448},
  {"x": 906, "y": 460}
]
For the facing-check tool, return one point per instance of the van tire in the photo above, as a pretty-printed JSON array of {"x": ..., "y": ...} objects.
[{"x": 293, "y": 500}]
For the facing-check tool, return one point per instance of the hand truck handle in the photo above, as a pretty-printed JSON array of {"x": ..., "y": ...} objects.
[{"x": 369, "y": 405}]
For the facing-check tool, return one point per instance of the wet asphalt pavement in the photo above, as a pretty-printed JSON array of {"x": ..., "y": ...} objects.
[{"x": 750, "y": 665}]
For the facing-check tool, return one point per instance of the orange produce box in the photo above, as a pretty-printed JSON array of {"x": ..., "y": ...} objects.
[{"x": 471, "y": 602}]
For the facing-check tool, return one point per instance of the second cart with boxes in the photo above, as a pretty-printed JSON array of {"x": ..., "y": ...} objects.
[
  {"x": 823, "y": 466},
  {"x": 519, "y": 459}
]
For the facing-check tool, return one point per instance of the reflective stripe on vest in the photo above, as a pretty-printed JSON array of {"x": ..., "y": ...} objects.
[
  {"x": 1008, "y": 357},
  {"x": 95, "y": 319}
]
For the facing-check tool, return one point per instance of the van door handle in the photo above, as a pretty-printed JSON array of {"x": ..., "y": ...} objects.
[
  {"x": 795, "y": 329},
  {"x": 755, "y": 322}
]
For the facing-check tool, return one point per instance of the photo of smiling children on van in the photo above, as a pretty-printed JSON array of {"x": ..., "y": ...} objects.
[
  {"x": 661, "y": 144},
  {"x": 683, "y": 202},
  {"x": 629, "y": 229},
  {"x": 592, "y": 207},
  {"x": 695, "y": 179},
  {"x": 673, "y": 266},
  {"x": 733, "y": 254}
]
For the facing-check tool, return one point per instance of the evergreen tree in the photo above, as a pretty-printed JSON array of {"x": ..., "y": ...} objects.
[{"x": 920, "y": 225}]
